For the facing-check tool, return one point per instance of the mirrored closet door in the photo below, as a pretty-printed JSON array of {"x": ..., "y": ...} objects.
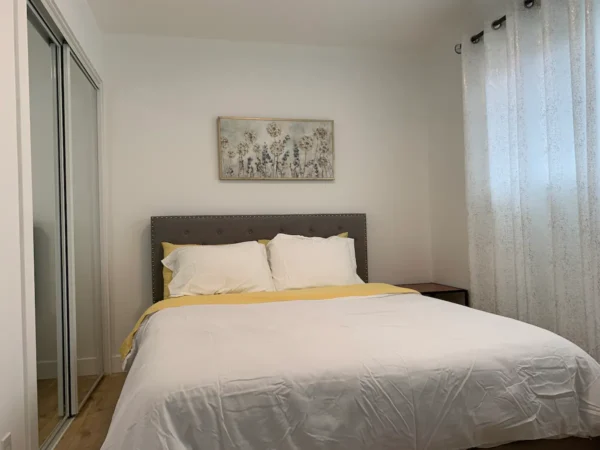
[
  {"x": 48, "y": 226},
  {"x": 66, "y": 212},
  {"x": 83, "y": 208}
]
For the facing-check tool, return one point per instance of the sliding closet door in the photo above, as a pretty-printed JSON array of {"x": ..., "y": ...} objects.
[
  {"x": 83, "y": 217},
  {"x": 47, "y": 233}
]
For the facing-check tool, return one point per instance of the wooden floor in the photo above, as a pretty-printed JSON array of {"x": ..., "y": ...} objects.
[
  {"x": 47, "y": 392},
  {"x": 88, "y": 430},
  {"x": 84, "y": 385},
  {"x": 48, "y": 418}
]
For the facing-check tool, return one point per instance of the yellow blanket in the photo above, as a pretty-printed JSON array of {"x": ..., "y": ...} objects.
[{"x": 324, "y": 293}]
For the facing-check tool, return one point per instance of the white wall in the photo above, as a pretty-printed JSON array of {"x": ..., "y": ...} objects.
[
  {"x": 163, "y": 98},
  {"x": 13, "y": 52},
  {"x": 449, "y": 240},
  {"x": 449, "y": 237}
]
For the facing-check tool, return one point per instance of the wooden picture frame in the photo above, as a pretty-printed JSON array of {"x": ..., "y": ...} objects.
[{"x": 275, "y": 149}]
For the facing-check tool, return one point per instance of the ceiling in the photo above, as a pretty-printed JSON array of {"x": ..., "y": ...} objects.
[{"x": 390, "y": 23}]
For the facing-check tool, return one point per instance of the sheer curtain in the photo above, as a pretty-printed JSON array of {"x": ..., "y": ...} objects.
[{"x": 533, "y": 180}]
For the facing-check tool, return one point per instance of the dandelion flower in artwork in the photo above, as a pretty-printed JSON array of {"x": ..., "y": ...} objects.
[
  {"x": 305, "y": 143},
  {"x": 250, "y": 136},
  {"x": 274, "y": 130},
  {"x": 321, "y": 133},
  {"x": 229, "y": 172},
  {"x": 224, "y": 143},
  {"x": 324, "y": 147},
  {"x": 243, "y": 148},
  {"x": 231, "y": 154},
  {"x": 277, "y": 148},
  {"x": 322, "y": 162},
  {"x": 265, "y": 154},
  {"x": 256, "y": 149}
]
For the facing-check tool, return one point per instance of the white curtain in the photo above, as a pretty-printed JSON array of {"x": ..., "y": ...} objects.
[{"x": 533, "y": 179}]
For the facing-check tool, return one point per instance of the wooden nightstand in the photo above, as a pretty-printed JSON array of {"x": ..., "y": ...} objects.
[{"x": 438, "y": 290}]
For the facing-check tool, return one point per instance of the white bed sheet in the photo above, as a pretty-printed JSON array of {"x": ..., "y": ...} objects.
[{"x": 380, "y": 372}]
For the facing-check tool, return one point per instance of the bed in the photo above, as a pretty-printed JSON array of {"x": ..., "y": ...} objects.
[{"x": 365, "y": 369}]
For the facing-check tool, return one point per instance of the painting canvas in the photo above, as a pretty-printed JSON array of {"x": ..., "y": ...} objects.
[{"x": 275, "y": 149}]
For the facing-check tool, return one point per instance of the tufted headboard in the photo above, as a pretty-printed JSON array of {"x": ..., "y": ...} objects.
[{"x": 215, "y": 230}]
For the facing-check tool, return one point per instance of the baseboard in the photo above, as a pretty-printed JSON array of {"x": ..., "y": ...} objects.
[
  {"x": 88, "y": 366},
  {"x": 46, "y": 370},
  {"x": 116, "y": 364},
  {"x": 85, "y": 366}
]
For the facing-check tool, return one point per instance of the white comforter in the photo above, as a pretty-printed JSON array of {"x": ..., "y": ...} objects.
[{"x": 384, "y": 372}]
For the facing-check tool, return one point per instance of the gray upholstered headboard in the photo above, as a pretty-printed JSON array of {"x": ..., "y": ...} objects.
[{"x": 214, "y": 230}]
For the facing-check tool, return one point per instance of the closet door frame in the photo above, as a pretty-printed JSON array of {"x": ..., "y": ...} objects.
[{"x": 53, "y": 17}]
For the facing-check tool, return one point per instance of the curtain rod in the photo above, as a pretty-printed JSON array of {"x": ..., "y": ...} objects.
[{"x": 496, "y": 25}]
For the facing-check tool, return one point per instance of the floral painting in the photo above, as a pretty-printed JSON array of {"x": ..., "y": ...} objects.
[{"x": 275, "y": 149}]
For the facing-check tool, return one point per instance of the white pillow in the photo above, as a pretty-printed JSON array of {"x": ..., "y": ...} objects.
[
  {"x": 219, "y": 269},
  {"x": 299, "y": 262}
]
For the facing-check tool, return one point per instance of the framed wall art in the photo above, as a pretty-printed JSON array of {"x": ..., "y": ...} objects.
[{"x": 275, "y": 149}]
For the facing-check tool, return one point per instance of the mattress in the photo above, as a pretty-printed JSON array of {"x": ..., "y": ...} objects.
[{"x": 376, "y": 372}]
